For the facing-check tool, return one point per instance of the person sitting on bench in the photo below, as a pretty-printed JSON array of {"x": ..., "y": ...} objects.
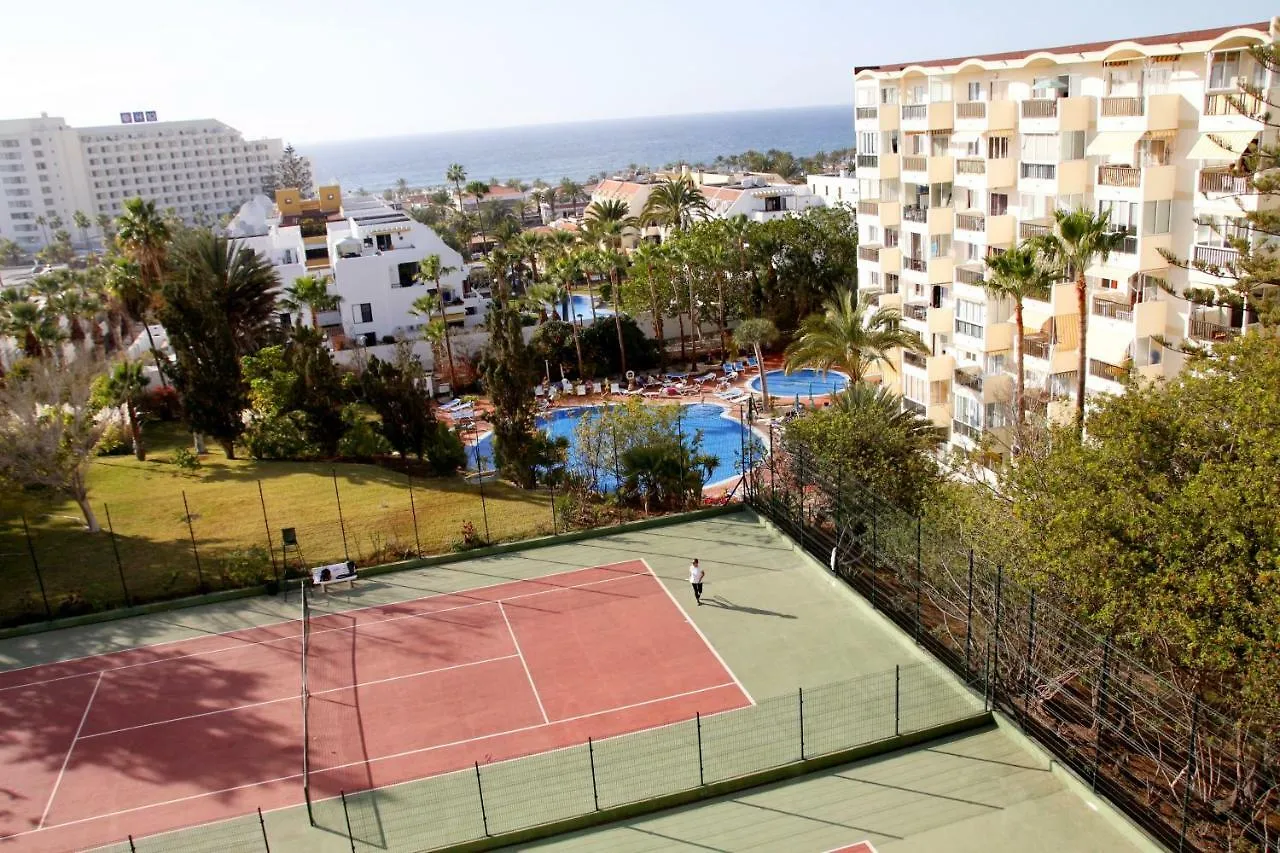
[{"x": 334, "y": 573}]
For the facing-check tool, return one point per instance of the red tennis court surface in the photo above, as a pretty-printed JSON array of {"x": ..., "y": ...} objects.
[
  {"x": 187, "y": 732},
  {"x": 860, "y": 847}
]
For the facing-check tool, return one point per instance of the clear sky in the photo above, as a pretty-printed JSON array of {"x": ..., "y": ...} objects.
[{"x": 311, "y": 70}]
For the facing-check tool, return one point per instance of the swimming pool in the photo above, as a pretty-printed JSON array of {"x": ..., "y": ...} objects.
[
  {"x": 721, "y": 437},
  {"x": 805, "y": 382},
  {"x": 579, "y": 304}
]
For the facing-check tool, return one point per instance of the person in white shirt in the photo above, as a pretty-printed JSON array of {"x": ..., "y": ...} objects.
[{"x": 696, "y": 575}]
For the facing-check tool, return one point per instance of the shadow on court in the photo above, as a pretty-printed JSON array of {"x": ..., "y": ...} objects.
[{"x": 725, "y": 604}]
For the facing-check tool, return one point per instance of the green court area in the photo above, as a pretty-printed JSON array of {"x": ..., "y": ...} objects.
[{"x": 779, "y": 621}]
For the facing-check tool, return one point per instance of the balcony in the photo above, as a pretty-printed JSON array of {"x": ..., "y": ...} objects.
[
  {"x": 1107, "y": 371},
  {"x": 918, "y": 311},
  {"x": 1215, "y": 256},
  {"x": 868, "y": 208},
  {"x": 979, "y": 173},
  {"x": 938, "y": 115},
  {"x": 1152, "y": 183},
  {"x": 318, "y": 263},
  {"x": 1069, "y": 177},
  {"x": 880, "y": 117},
  {"x": 867, "y": 161},
  {"x": 1034, "y": 228},
  {"x": 1119, "y": 176},
  {"x": 972, "y": 273},
  {"x": 1208, "y": 330},
  {"x": 1221, "y": 114},
  {"x": 913, "y": 407},
  {"x": 1040, "y": 108},
  {"x": 985, "y": 228},
  {"x": 961, "y": 428},
  {"x": 867, "y": 113},
  {"x": 938, "y": 320},
  {"x": 986, "y": 115},
  {"x": 1112, "y": 310},
  {"x": 1139, "y": 113},
  {"x": 968, "y": 379},
  {"x": 1037, "y": 347},
  {"x": 939, "y": 368},
  {"x": 886, "y": 258},
  {"x": 937, "y": 220},
  {"x": 879, "y": 166},
  {"x": 971, "y": 110},
  {"x": 869, "y": 253},
  {"x": 1049, "y": 115},
  {"x": 1223, "y": 181},
  {"x": 927, "y": 170}
]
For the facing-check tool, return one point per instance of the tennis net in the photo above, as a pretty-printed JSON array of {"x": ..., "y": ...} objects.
[{"x": 306, "y": 697}]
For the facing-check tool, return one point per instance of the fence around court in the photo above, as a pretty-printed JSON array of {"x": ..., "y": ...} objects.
[
  {"x": 492, "y": 799},
  {"x": 1192, "y": 778}
]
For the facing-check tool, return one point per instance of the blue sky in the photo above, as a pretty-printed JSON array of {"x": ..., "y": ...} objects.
[{"x": 311, "y": 70}]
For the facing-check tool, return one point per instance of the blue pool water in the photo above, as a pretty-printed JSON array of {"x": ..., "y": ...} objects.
[
  {"x": 721, "y": 437},
  {"x": 806, "y": 382},
  {"x": 579, "y": 304}
]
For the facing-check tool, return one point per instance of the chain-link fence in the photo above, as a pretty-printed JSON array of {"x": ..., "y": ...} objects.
[
  {"x": 1191, "y": 777},
  {"x": 231, "y": 535}
]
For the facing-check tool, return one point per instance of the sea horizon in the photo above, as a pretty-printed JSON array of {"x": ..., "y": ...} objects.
[{"x": 576, "y": 149}]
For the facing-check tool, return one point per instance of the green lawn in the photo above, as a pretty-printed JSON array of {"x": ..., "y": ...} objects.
[{"x": 145, "y": 500}]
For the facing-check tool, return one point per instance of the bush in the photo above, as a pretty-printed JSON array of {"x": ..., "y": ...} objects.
[
  {"x": 115, "y": 441},
  {"x": 470, "y": 538},
  {"x": 161, "y": 404},
  {"x": 186, "y": 461},
  {"x": 445, "y": 452},
  {"x": 360, "y": 437},
  {"x": 280, "y": 436}
]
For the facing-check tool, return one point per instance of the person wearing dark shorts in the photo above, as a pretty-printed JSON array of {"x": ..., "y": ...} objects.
[{"x": 696, "y": 576}]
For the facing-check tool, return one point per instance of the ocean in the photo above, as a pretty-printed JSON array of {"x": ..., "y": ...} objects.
[{"x": 554, "y": 151}]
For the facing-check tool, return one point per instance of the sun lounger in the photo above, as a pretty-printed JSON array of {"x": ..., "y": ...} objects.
[
  {"x": 706, "y": 377},
  {"x": 740, "y": 397},
  {"x": 581, "y": 390},
  {"x": 651, "y": 393},
  {"x": 595, "y": 388},
  {"x": 751, "y": 362},
  {"x": 538, "y": 390},
  {"x": 453, "y": 404},
  {"x": 615, "y": 388}
]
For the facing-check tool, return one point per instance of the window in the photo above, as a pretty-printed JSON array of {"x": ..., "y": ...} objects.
[
  {"x": 970, "y": 318},
  {"x": 1224, "y": 68},
  {"x": 1219, "y": 232},
  {"x": 1155, "y": 217},
  {"x": 873, "y": 234},
  {"x": 889, "y": 95},
  {"x": 866, "y": 96},
  {"x": 915, "y": 388},
  {"x": 939, "y": 91},
  {"x": 997, "y": 147},
  {"x": 999, "y": 205},
  {"x": 975, "y": 91},
  {"x": 968, "y": 411},
  {"x": 1040, "y": 147},
  {"x": 1072, "y": 147},
  {"x": 362, "y": 312},
  {"x": 1000, "y": 90},
  {"x": 1123, "y": 215},
  {"x": 1051, "y": 87},
  {"x": 868, "y": 143}
]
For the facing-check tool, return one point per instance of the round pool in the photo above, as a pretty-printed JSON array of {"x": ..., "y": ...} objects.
[
  {"x": 805, "y": 382},
  {"x": 722, "y": 437}
]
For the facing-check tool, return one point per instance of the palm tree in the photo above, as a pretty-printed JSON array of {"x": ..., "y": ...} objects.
[
  {"x": 1079, "y": 238},
  {"x": 143, "y": 237},
  {"x": 44, "y": 230},
  {"x": 478, "y": 190},
  {"x": 82, "y": 222},
  {"x": 646, "y": 258},
  {"x": 878, "y": 403},
  {"x": 757, "y": 333},
  {"x": 402, "y": 187},
  {"x": 106, "y": 226},
  {"x": 849, "y": 336},
  {"x": 244, "y": 284},
  {"x": 55, "y": 222},
  {"x": 674, "y": 204},
  {"x": 456, "y": 175},
  {"x": 125, "y": 387},
  {"x": 312, "y": 293},
  {"x": 24, "y": 323},
  {"x": 564, "y": 271},
  {"x": 538, "y": 296},
  {"x": 571, "y": 191},
  {"x": 612, "y": 262},
  {"x": 1019, "y": 274},
  {"x": 432, "y": 269}
]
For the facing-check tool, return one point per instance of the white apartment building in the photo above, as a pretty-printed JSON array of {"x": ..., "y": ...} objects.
[
  {"x": 959, "y": 159},
  {"x": 200, "y": 168},
  {"x": 368, "y": 250},
  {"x": 839, "y": 189}
]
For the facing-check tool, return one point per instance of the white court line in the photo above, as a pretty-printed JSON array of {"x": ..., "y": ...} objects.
[
  {"x": 695, "y": 627},
  {"x": 460, "y": 592},
  {"x": 374, "y": 760},
  {"x": 294, "y": 697},
  {"x": 315, "y": 632},
  {"x": 523, "y": 662},
  {"x": 67, "y": 759}
]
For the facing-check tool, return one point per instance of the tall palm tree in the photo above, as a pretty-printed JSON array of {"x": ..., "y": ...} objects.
[
  {"x": 674, "y": 204},
  {"x": 1019, "y": 274},
  {"x": 478, "y": 190},
  {"x": 456, "y": 175},
  {"x": 44, "y": 230},
  {"x": 849, "y": 336},
  {"x": 564, "y": 271},
  {"x": 1079, "y": 238},
  {"x": 756, "y": 333},
  {"x": 613, "y": 263},
  {"x": 311, "y": 293},
  {"x": 402, "y": 187},
  {"x": 125, "y": 387},
  {"x": 571, "y": 190},
  {"x": 651, "y": 261},
  {"x": 243, "y": 283},
  {"x": 538, "y": 297},
  {"x": 81, "y": 220},
  {"x": 23, "y": 323},
  {"x": 106, "y": 227},
  {"x": 143, "y": 236},
  {"x": 432, "y": 269}
]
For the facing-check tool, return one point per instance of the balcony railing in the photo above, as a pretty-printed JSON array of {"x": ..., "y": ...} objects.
[
  {"x": 869, "y": 208},
  {"x": 914, "y": 359},
  {"x": 1105, "y": 370},
  {"x": 1220, "y": 104},
  {"x": 969, "y": 276},
  {"x": 1039, "y": 171},
  {"x": 891, "y": 283},
  {"x": 1119, "y": 176},
  {"x": 1215, "y": 256},
  {"x": 916, "y": 264},
  {"x": 1128, "y": 246},
  {"x": 915, "y": 214},
  {"x": 971, "y": 166},
  {"x": 913, "y": 407},
  {"x": 971, "y": 109},
  {"x": 869, "y": 253},
  {"x": 868, "y": 161},
  {"x": 1122, "y": 107},
  {"x": 970, "y": 432},
  {"x": 973, "y": 330},
  {"x": 1037, "y": 348},
  {"x": 1033, "y": 229},
  {"x": 971, "y": 222},
  {"x": 914, "y": 112},
  {"x": 915, "y": 163},
  {"x": 972, "y": 381},
  {"x": 916, "y": 311},
  {"x": 1211, "y": 330},
  {"x": 1113, "y": 310},
  {"x": 1040, "y": 108},
  {"x": 871, "y": 113},
  {"x": 1220, "y": 181}
]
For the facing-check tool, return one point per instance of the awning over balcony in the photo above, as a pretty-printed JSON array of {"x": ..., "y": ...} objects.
[
  {"x": 964, "y": 137},
  {"x": 1108, "y": 271},
  {"x": 1035, "y": 319},
  {"x": 1113, "y": 142},
  {"x": 1210, "y": 146},
  {"x": 1113, "y": 349}
]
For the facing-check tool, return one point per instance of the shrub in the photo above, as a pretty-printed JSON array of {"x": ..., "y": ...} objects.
[
  {"x": 161, "y": 404},
  {"x": 186, "y": 461},
  {"x": 470, "y": 538},
  {"x": 280, "y": 436},
  {"x": 115, "y": 441},
  {"x": 445, "y": 452},
  {"x": 360, "y": 437}
]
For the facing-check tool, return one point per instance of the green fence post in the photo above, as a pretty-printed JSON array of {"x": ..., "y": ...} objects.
[
  {"x": 417, "y": 543},
  {"x": 271, "y": 548},
  {"x": 351, "y": 838},
  {"x": 194, "y": 550},
  {"x": 595, "y": 791},
  {"x": 995, "y": 645},
  {"x": 1031, "y": 644},
  {"x": 484, "y": 816},
  {"x": 1189, "y": 772},
  {"x": 48, "y": 612},
  {"x": 115, "y": 549},
  {"x": 802, "y": 724},
  {"x": 897, "y": 698},
  {"x": 1102, "y": 712},
  {"x": 697, "y": 719},
  {"x": 266, "y": 842},
  {"x": 342, "y": 525},
  {"x": 968, "y": 619}
]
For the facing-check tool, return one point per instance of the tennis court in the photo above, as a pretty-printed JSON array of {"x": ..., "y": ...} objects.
[{"x": 191, "y": 731}]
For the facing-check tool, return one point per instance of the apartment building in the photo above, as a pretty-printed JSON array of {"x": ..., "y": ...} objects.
[
  {"x": 959, "y": 159},
  {"x": 368, "y": 250},
  {"x": 200, "y": 168}
]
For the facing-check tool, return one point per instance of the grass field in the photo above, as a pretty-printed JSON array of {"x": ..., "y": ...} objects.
[{"x": 152, "y": 538}]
